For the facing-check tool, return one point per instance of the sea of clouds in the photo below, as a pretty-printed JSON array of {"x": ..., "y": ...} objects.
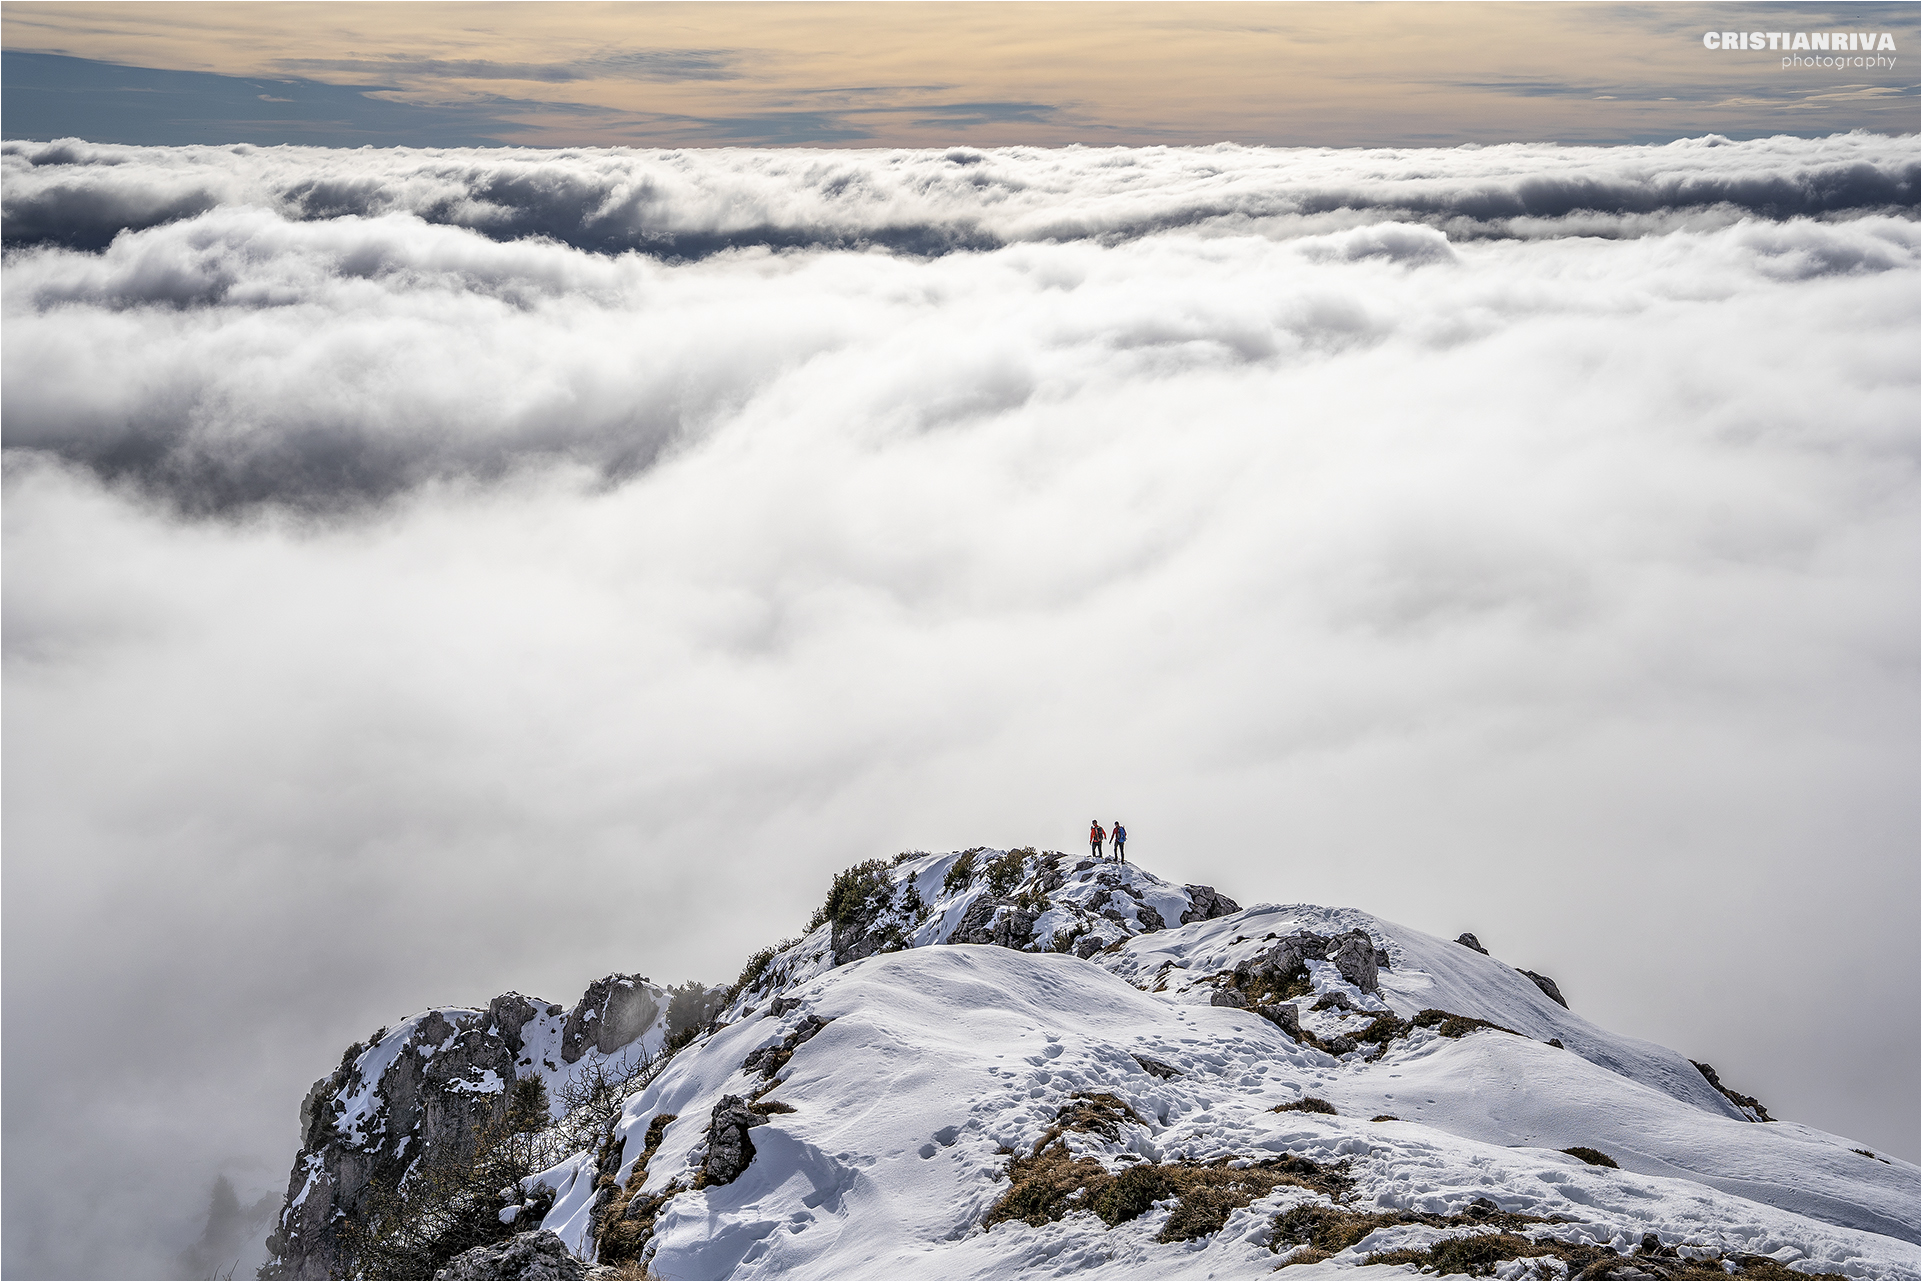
[{"x": 430, "y": 573}]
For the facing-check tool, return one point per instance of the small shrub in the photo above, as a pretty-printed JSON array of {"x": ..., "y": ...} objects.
[
  {"x": 1064, "y": 941},
  {"x": 1006, "y": 871},
  {"x": 912, "y": 907},
  {"x": 1382, "y": 1029},
  {"x": 856, "y": 893},
  {"x": 1594, "y": 1157},
  {"x": 1307, "y": 1105},
  {"x": 1130, "y": 1194},
  {"x": 1385, "y": 1118},
  {"x": 906, "y": 856},
  {"x": 752, "y": 972},
  {"x": 960, "y": 873}
]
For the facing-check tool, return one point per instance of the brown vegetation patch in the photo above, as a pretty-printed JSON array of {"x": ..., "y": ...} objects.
[
  {"x": 628, "y": 1221},
  {"x": 1307, "y": 1105},
  {"x": 1478, "y": 1255},
  {"x": 1050, "y": 1183},
  {"x": 1331, "y": 1229},
  {"x": 1594, "y": 1157},
  {"x": 1450, "y": 1025},
  {"x": 1263, "y": 989}
]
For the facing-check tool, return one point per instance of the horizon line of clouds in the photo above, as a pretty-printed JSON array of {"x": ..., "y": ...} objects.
[{"x": 683, "y": 204}]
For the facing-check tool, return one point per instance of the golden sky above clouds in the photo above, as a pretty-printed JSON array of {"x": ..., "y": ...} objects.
[{"x": 1002, "y": 73}]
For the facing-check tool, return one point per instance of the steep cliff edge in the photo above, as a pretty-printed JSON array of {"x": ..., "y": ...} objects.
[{"x": 435, "y": 1082}]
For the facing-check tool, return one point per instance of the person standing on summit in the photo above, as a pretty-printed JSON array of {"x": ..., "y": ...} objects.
[
  {"x": 1117, "y": 836},
  {"x": 1095, "y": 836}
]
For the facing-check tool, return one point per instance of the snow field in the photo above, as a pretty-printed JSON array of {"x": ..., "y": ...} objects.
[{"x": 938, "y": 1059}]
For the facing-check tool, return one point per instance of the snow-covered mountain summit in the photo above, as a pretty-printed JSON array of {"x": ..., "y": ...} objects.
[{"x": 1014, "y": 1064}]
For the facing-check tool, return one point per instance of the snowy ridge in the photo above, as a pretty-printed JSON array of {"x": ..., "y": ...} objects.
[
  {"x": 1019, "y": 898},
  {"x": 936, "y": 1062},
  {"x": 967, "y": 1053},
  {"x": 912, "y": 1075}
]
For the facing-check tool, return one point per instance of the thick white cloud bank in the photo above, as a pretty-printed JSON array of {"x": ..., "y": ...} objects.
[
  {"x": 402, "y": 607},
  {"x": 691, "y": 203}
]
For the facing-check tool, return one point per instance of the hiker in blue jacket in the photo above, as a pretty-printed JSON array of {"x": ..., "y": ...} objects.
[{"x": 1116, "y": 837}]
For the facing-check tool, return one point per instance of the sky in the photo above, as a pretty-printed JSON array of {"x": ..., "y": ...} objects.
[
  {"x": 933, "y": 75},
  {"x": 430, "y": 573}
]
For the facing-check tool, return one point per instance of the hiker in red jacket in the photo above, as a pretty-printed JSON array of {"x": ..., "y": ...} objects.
[{"x": 1095, "y": 836}]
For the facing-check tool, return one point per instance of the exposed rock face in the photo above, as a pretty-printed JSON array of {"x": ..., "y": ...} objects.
[
  {"x": 429, "y": 1085},
  {"x": 1284, "y": 1015},
  {"x": 1748, "y": 1104},
  {"x": 1206, "y": 902},
  {"x": 1292, "y": 951},
  {"x": 1228, "y": 998},
  {"x": 537, "y": 1254},
  {"x": 729, "y": 1148},
  {"x": 613, "y": 1011},
  {"x": 1353, "y": 954},
  {"x": 1469, "y": 939},
  {"x": 993, "y": 920},
  {"x": 1548, "y": 987},
  {"x": 767, "y": 1061}
]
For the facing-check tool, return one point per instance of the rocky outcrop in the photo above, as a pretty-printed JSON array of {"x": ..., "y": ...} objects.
[
  {"x": 1748, "y": 1104},
  {"x": 767, "y": 1061},
  {"x": 1548, "y": 987},
  {"x": 611, "y": 1014},
  {"x": 730, "y": 1149},
  {"x": 1353, "y": 954},
  {"x": 1468, "y": 938},
  {"x": 1284, "y": 1015},
  {"x": 430, "y": 1085},
  {"x": 537, "y": 1254},
  {"x": 1205, "y": 903},
  {"x": 994, "y": 920}
]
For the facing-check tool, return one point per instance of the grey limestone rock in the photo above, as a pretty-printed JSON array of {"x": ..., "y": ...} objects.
[
  {"x": 1227, "y": 998},
  {"x": 1468, "y": 938},
  {"x": 508, "y": 1013},
  {"x": 1353, "y": 954},
  {"x": 1205, "y": 903},
  {"x": 1149, "y": 918},
  {"x": 729, "y": 1148},
  {"x": 1088, "y": 946},
  {"x": 1284, "y": 1015},
  {"x": 1292, "y": 951},
  {"x": 609, "y": 1016},
  {"x": 994, "y": 920},
  {"x": 1548, "y": 987},
  {"x": 536, "y": 1254}
]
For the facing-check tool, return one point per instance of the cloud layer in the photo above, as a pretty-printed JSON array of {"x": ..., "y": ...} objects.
[
  {"x": 401, "y": 607},
  {"x": 692, "y": 203}
]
